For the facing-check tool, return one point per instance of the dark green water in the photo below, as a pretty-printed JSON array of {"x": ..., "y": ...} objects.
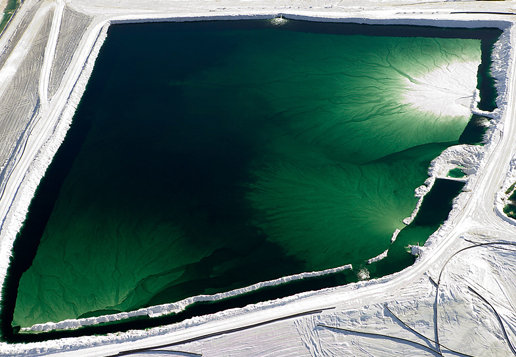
[
  {"x": 510, "y": 208},
  {"x": 7, "y": 12},
  {"x": 474, "y": 131},
  {"x": 432, "y": 213},
  {"x": 210, "y": 156},
  {"x": 456, "y": 173}
]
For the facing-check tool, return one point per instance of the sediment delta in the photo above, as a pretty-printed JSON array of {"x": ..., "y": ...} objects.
[{"x": 451, "y": 229}]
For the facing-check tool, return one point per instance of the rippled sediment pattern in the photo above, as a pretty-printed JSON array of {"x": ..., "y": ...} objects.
[{"x": 205, "y": 158}]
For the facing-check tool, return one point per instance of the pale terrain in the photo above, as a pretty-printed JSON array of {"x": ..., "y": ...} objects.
[
  {"x": 3, "y": 4},
  {"x": 459, "y": 298}
]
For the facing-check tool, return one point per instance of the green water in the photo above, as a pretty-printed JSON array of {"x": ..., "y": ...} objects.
[
  {"x": 510, "y": 208},
  {"x": 7, "y": 12},
  {"x": 456, "y": 173},
  {"x": 207, "y": 157},
  {"x": 432, "y": 213}
]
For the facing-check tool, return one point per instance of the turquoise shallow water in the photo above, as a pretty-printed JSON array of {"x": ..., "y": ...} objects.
[{"x": 207, "y": 157}]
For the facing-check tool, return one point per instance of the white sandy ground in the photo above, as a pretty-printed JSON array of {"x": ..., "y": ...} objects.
[
  {"x": 9, "y": 69},
  {"x": 3, "y": 4},
  {"x": 458, "y": 310}
]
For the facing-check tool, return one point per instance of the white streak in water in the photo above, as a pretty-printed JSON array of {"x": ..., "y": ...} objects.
[
  {"x": 395, "y": 235},
  {"x": 379, "y": 256},
  {"x": 160, "y": 310}
]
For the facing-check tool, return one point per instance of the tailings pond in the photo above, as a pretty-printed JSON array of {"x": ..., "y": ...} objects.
[{"x": 210, "y": 156}]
